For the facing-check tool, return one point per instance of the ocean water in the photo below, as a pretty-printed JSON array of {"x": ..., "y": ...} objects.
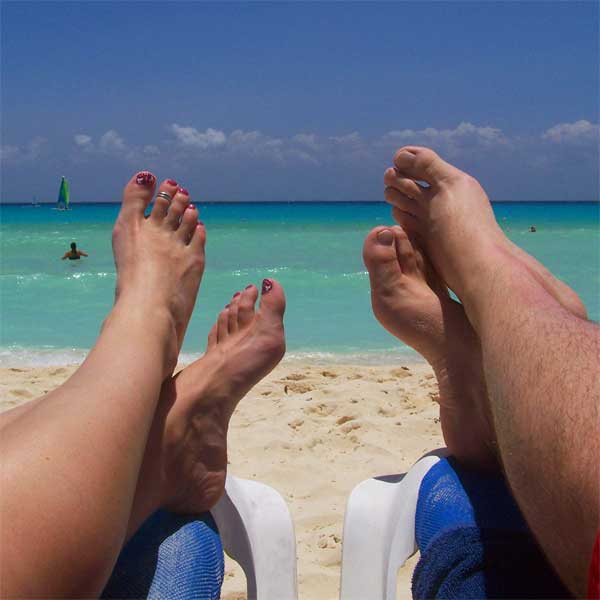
[{"x": 51, "y": 310}]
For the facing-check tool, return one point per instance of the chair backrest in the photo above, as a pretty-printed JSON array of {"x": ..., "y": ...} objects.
[
  {"x": 379, "y": 531},
  {"x": 257, "y": 532}
]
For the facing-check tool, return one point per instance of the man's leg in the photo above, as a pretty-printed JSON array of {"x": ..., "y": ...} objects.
[{"x": 540, "y": 361}]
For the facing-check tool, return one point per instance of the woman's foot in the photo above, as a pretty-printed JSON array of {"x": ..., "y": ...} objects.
[
  {"x": 413, "y": 304},
  {"x": 186, "y": 458},
  {"x": 159, "y": 260}
]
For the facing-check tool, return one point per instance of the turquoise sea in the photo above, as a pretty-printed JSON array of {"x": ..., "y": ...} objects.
[{"x": 51, "y": 310}]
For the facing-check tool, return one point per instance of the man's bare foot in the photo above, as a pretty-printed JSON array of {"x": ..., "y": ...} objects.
[
  {"x": 453, "y": 220},
  {"x": 186, "y": 458},
  {"x": 159, "y": 260},
  {"x": 413, "y": 304}
]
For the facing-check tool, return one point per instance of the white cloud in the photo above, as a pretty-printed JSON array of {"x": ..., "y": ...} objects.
[
  {"x": 306, "y": 139},
  {"x": 573, "y": 133},
  {"x": 111, "y": 141},
  {"x": 19, "y": 154},
  {"x": 190, "y": 136},
  {"x": 81, "y": 139},
  {"x": 350, "y": 139},
  {"x": 465, "y": 134},
  {"x": 151, "y": 150}
]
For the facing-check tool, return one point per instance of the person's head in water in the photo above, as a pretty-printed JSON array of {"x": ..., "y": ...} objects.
[{"x": 73, "y": 246}]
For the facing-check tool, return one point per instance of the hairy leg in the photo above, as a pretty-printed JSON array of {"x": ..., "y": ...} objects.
[
  {"x": 70, "y": 461},
  {"x": 540, "y": 359}
]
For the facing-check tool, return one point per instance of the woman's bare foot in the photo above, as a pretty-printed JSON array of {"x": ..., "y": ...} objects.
[
  {"x": 413, "y": 304},
  {"x": 186, "y": 458},
  {"x": 159, "y": 260},
  {"x": 453, "y": 220}
]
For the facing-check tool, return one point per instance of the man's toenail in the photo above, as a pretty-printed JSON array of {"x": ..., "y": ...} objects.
[
  {"x": 267, "y": 286},
  {"x": 145, "y": 178},
  {"x": 183, "y": 191},
  {"x": 385, "y": 237},
  {"x": 237, "y": 294},
  {"x": 171, "y": 182}
]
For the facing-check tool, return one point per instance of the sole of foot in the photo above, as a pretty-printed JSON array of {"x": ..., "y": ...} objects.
[
  {"x": 452, "y": 218},
  {"x": 159, "y": 259},
  {"x": 188, "y": 440},
  {"x": 413, "y": 304}
]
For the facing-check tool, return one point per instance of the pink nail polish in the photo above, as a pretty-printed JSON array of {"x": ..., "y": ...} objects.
[
  {"x": 237, "y": 294},
  {"x": 183, "y": 191},
  {"x": 200, "y": 223},
  {"x": 189, "y": 206},
  {"x": 227, "y": 305},
  {"x": 248, "y": 286},
  {"x": 145, "y": 178},
  {"x": 267, "y": 286},
  {"x": 171, "y": 182}
]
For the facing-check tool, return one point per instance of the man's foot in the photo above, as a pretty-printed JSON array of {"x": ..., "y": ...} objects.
[
  {"x": 186, "y": 457},
  {"x": 413, "y": 304},
  {"x": 159, "y": 260},
  {"x": 453, "y": 220}
]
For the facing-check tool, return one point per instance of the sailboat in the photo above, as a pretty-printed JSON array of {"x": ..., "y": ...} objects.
[{"x": 63, "y": 195}]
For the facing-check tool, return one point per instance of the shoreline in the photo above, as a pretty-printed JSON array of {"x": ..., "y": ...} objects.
[{"x": 367, "y": 420}]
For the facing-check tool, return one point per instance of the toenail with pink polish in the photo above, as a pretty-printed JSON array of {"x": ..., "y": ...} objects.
[
  {"x": 385, "y": 237},
  {"x": 248, "y": 286},
  {"x": 267, "y": 286},
  {"x": 183, "y": 191},
  {"x": 189, "y": 206},
  {"x": 237, "y": 294},
  {"x": 145, "y": 178}
]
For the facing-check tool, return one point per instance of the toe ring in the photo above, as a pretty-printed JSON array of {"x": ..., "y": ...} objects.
[{"x": 165, "y": 195}]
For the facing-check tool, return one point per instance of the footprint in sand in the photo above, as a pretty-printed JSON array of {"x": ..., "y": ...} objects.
[
  {"x": 345, "y": 419},
  {"x": 350, "y": 426},
  {"x": 329, "y": 374},
  {"x": 296, "y": 423},
  {"x": 400, "y": 373},
  {"x": 295, "y": 376},
  {"x": 298, "y": 388}
]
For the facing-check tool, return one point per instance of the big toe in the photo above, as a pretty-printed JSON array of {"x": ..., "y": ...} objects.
[
  {"x": 137, "y": 195},
  {"x": 423, "y": 164},
  {"x": 272, "y": 301},
  {"x": 382, "y": 261}
]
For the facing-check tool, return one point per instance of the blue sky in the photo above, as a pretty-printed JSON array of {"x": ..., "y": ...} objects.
[{"x": 297, "y": 101}]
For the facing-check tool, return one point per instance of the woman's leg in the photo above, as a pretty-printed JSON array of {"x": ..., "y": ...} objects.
[{"x": 70, "y": 463}]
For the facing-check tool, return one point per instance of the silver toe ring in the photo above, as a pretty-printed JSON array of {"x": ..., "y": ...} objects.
[{"x": 165, "y": 195}]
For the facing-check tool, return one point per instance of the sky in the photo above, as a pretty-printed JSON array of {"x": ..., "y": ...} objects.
[{"x": 297, "y": 101}]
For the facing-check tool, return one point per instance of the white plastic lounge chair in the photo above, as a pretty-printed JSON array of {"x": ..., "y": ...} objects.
[
  {"x": 257, "y": 532},
  {"x": 379, "y": 531}
]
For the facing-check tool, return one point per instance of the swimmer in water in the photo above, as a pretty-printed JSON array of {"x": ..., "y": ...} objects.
[{"x": 73, "y": 253}]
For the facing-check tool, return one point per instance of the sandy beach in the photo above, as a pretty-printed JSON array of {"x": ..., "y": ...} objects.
[{"x": 311, "y": 432}]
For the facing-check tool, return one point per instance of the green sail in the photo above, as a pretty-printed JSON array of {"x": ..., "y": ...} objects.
[{"x": 63, "y": 194}]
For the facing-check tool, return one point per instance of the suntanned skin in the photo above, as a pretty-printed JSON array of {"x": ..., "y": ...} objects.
[
  {"x": 69, "y": 253},
  {"x": 82, "y": 447},
  {"x": 539, "y": 356}
]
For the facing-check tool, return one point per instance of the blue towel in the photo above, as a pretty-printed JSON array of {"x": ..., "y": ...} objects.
[
  {"x": 474, "y": 541},
  {"x": 171, "y": 557}
]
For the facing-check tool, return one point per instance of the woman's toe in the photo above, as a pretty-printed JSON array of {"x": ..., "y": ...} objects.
[
  {"x": 246, "y": 305},
  {"x": 177, "y": 208},
  {"x": 162, "y": 202},
  {"x": 188, "y": 223},
  {"x": 137, "y": 195}
]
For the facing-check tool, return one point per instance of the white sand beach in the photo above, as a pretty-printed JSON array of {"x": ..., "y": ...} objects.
[{"x": 313, "y": 433}]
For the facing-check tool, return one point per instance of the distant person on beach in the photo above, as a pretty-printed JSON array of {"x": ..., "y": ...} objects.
[
  {"x": 85, "y": 465},
  {"x": 73, "y": 253},
  {"x": 516, "y": 360},
  {"x": 532, "y": 229}
]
